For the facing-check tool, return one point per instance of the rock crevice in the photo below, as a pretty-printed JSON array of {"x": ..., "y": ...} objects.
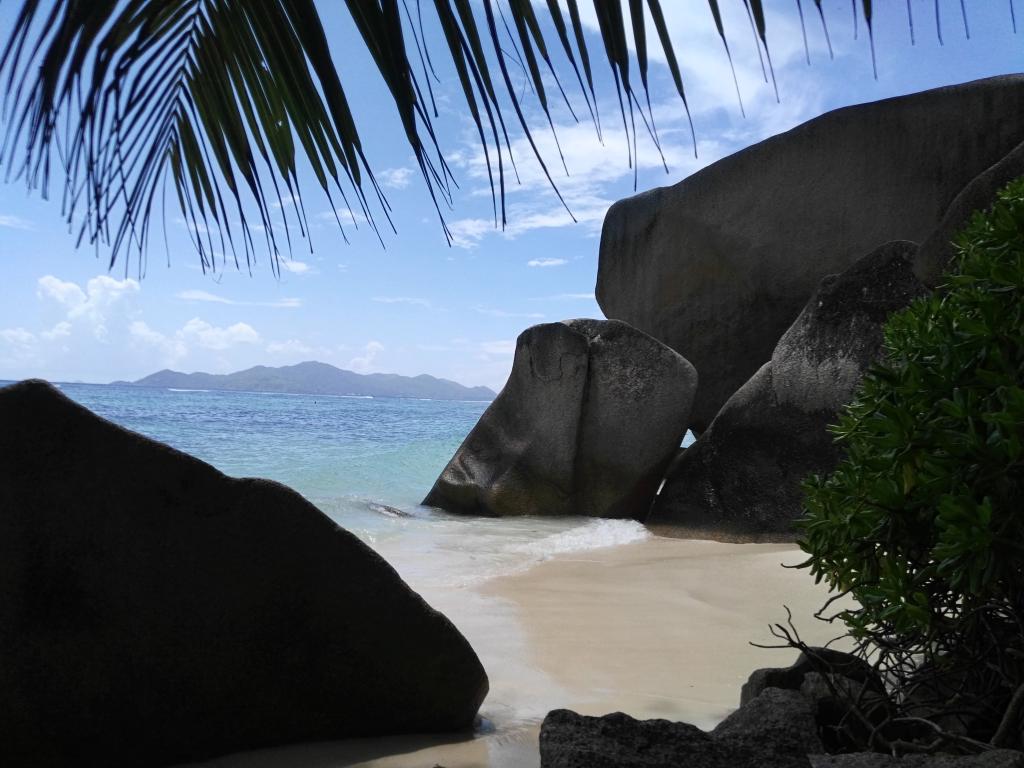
[{"x": 594, "y": 440}]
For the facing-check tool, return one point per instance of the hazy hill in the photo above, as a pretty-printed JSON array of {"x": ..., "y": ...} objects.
[{"x": 314, "y": 378}]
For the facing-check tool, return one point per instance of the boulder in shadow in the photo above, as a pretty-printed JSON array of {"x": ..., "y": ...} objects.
[
  {"x": 741, "y": 480},
  {"x": 719, "y": 265},
  {"x": 155, "y": 611}
]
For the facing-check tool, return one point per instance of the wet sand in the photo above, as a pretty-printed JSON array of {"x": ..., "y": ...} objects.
[{"x": 657, "y": 628}]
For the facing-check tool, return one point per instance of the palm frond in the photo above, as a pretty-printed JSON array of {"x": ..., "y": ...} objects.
[
  {"x": 217, "y": 101},
  {"x": 219, "y": 96}
]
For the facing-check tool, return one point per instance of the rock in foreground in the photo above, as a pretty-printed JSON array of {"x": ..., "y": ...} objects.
[
  {"x": 155, "y": 611},
  {"x": 741, "y": 479},
  {"x": 719, "y": 265},
  {"x": 590, "y": 417},
  {"x": 997, "y": 758},
  {"x": 775, "y": 730}
]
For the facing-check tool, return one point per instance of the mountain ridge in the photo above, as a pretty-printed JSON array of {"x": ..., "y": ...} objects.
[{"x": 316, "y": 378}]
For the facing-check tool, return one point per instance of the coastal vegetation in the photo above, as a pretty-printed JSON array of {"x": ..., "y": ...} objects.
[{"x": 923, "y": 520}]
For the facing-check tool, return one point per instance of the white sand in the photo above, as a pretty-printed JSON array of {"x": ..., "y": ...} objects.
[{"x": 658, "y": 628}]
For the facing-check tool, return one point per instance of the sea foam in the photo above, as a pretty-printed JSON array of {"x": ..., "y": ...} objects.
[{"x": 594, "y": 534}]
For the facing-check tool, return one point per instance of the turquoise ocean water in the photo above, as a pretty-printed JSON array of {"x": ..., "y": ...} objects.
[{"x": 365, "y": 462}]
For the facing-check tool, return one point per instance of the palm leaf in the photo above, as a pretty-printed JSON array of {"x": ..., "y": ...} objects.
[
  {"x": 220, "y": 99},
  {"x": 217, "y": 95}
]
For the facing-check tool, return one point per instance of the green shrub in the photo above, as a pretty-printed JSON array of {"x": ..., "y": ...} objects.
[{"x": 923, "y": 521}]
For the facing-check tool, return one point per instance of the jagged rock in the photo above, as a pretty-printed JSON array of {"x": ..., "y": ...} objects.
[
  {"x": 936, "y": 251},
  {"x": 822, "y": 660},
  {"x": 775, "y": 730},
  {"x": 778, "y": 726},
  {"x": 591, "y": 415},
  {"x": 569, "y": 740},
  {"x": 155, "y": 611},
  {"x": 830, "y": 680},
  {"x": 997, "y": 758},
  {"x": 719, "y": 265},
  {"x": 741, "y": 479}
]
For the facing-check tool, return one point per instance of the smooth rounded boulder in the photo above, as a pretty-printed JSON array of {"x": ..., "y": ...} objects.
[
  {"x": 155, "y": 611},
  {"x": 719, "y": 265},
  {"x": 741, "y": 480},
  {"x": 592, "y": 413}
]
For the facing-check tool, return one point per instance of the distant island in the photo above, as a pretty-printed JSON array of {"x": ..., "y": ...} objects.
[{"x": 313, "y": 378}]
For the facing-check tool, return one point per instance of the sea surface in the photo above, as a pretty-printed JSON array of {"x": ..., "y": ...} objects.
[{"x": 365, "y": 462}]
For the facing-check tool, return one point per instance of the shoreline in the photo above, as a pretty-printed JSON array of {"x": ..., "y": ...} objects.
[
  {"x": 657, "y": 628},
  {"x": 661, "y": 628}
]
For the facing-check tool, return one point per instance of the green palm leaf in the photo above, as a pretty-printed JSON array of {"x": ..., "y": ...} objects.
[
  {"x": 216, "y": 101},
  {"x": 214, "y": 94}
]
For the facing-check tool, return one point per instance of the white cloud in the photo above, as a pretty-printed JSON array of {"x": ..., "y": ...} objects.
[
  {"x": 598, "y": 166},
  {"x": 206, "y": 296},
  {"x": 171, "y": 349},
  {"x": 396, "y": 178},
  {"x": 566, "y": 297},
  {"x": 18, "y": 351},
  {"x": 546, "y": 262},
  {"x": 102, "y": 298},
  {"x": 290, "y": 347},
  {"x": 17, "y": 336},
  {"x": 100, "y": 333},
  {"x": 289, "y": 302},
  {"x": 286, "y": 200},
  {"x": 296, "y": 267},
  {"x": 59, "y": 331},
  {"x": 212, "y": 337},
  {"x": 141, "y": 331},
  {"x": 198, "y": 331},
  {"x": 61, "y": 291},
  {"x": 411, "y": 301},
  {"x": 364, "y": 363},
  {"x": 467, "y": 233},
  {"x": 15, "y": 222},
  {"x": 502, "y": 348},
  {"x": 502, "y": 313},
  {"x": 194, "y": 295},
  {"x": 345, "y": 215}
]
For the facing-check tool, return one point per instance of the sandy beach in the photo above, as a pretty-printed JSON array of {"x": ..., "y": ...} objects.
[
  {"x": 662, "y": 627},
  {"x": 656, "y": 628}
]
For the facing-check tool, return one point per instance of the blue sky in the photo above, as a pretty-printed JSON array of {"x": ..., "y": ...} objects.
[{"x": 418, "y": 305}]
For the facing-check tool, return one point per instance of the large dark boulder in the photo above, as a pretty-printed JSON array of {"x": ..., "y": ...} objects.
[
  {"x": 936, "y": 251},
  {"x": 590, "y": 417},
  {"x": 775, "y": 730},
  {"x": 720, "y": 264},
  {"x": 155, "y": 611},
  {"x": 741, "y": 479}
]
